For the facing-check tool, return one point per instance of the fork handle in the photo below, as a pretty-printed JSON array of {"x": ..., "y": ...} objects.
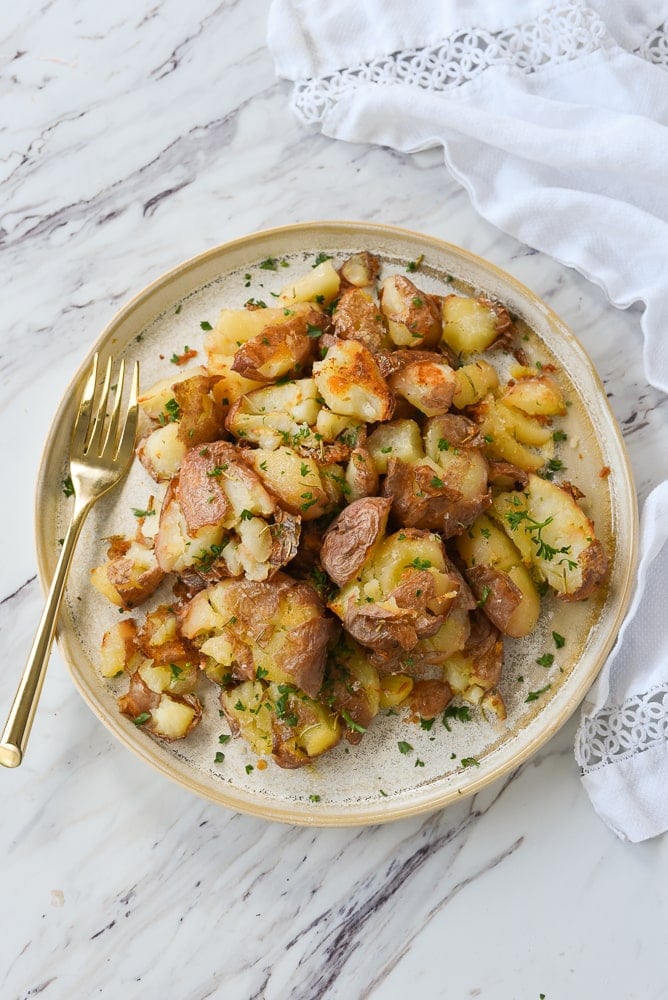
[{"x": 19, "y": 721}]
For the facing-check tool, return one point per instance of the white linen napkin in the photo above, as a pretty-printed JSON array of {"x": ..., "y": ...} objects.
[{"x": 554, "y": 117}]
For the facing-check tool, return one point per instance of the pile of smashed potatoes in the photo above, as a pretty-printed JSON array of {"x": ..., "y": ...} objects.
[{"x": 359, "y": 506}]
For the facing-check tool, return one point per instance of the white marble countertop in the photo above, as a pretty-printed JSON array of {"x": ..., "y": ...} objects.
[{"x": 133, "y": 136}]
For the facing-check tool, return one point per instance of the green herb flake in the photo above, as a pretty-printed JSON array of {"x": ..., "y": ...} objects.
[
  {"x": 443, "y": 445},
  {"x": 559, "y": 436},
  {"x": 219, "y": 758},
  {"x": 142, "y": 513},
  {"x": 224, "y": 737},
  {"x": 381, "y": 792},
  {"x": 351, "y": 724},
  {"x": 546, "y": 660},
  {"x": 426, "y": 724},
  {"x": 559, "y": 640},
  {"x": 469, "y": 762},
  {"x": 68, "y": 486},
  {"x": 418, "y": 762},
  {"x": 205, "y": 325},
  {"x": 436, "y": 483},
  {"x": 484, "y": 595},
  {"x": 420, "y": 563},
  {"x": 418, "y": 302},
  {"x": 404, "y": 747},
  {"x": 535, "y": 695},
  {"x": 175, "y": 671},
  {"x": 261, "y": 672},
  {"x": 249, "y": 768},
  {"x": 178, "y": 309},
  {"x": 413, "y": 265},
  {"x": 246, "y": 515},
  {"x": 139, "y": 720},
  {"x": 314, "y": 798},
  {"x": 270, "y": 264},
  {"x": 321, "y": 258}
]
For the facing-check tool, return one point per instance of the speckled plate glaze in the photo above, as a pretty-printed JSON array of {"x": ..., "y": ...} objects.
[{"x": 373, "y": 782}]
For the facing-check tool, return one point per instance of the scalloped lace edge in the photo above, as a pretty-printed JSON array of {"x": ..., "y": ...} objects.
[
  {"x": 563, "y": 32},
  {"x": 618, "y": 732}
]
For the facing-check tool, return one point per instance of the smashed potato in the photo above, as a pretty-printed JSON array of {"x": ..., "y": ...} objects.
[{"x": 357, "y": 508}]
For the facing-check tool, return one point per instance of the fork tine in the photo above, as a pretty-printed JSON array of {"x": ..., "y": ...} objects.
[
  {"x": 127, "y": 441},
  {"x": 82, "y": 422},
  {"x": 112, "y": 428},
  {"x": 95, "y": 438}
]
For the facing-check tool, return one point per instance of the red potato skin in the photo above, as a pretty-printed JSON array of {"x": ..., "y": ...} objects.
[
  {"x": 500, "y": 594},
  {"x": 417, "y": 502},
  {"x": 289, "y": 342},
  {"x": 429, "y": 698},
  {"x": 351, "y": 536}
]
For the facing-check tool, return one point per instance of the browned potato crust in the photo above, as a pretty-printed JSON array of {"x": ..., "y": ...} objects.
[
  {"x": 281, "y": 350},
  {"x": 429, "y": 698}
]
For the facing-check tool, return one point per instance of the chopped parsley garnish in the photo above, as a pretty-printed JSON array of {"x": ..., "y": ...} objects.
[
  {"x": 321, "y": 258},
  {"x": 246, "y": 515},
  {"x": 418, "y": 762},
  {"x": 171, "y": 414},
  {"x": 535, "y": 695},
  {"x": 418, "y": 302},
  {"x": 175, "y": 671},
  {"x": 535, "y": 528},
  {"x": 261, "y": 672},
  {"x": 460, "y": 712},
  {"x": 470, "y": 762},
  {"x": 224, "y": 738},
  {"x": 205, "y": 325},
  {"x": 559, "y": 436},
  {"x": 484, "y": 594},
  {"x": 413, "y": 265},
  {"x": 141, "y": 513},
  {"x": 139, "y": 720},
  {"x": 255, "y": 304},
  {"x": 437, "y": 483},
  {"x": 314, "y": 798},
  {"x": 219, "y": 758},
  {"x": 559, "y": 640},
  {"x": 443, "y": 445},
  {"x": 404, "y": 747},
  {"x": 68, "y": 486},
  {"x": 313, "y": 331},
  {"x": 249, "y": 768},
  {"x": 186, "y": 355},
  {"x": 426, "y": 724},
  {"x": 270, "y": 264},
  {"x": 546, "y": 660},
  {"x": 420, "y": 563},
  {"x": 351, "y": 724}
]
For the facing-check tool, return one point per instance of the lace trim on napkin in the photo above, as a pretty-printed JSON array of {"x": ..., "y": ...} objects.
[
  {"x": 563, "y": 32},
  {"x": 621, "y": 731}
]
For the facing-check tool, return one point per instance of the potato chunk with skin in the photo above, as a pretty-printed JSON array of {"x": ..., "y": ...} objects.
[
  {"x": 277, "y": 414},
  {"x": 555, "y": 536},
  {"x": 294, "y": 479},
  {"x": 360, "y": 270},
  {"x": 281, "y": 720},
  {"x": 276, "y": 630},
  {"x": 170, "y": 717},
  {"x": 358, "y": 317},
  {"x": 349, "y": 381},
  {"x": 131, "y": 573},
  {"x": 510, "y": 435},
  {"x": 413, "y": 316},
  {"x": 400, "y": 439},
  {"x": 351, "y": 689},
  {"x": 235, "y": 326},
  {"x": 501, "y": 583},
  {"x": 119, "y": 651},
  {"x": 538, "y": 395},
  {"x": 219, "y": 520},
  {"x": 427, "y": 384},
  {"x": 472, "y": 325},
  {"x": 321, "y": 284},
  {"x": 284, "y": 349},
  {"x": 474, "y": 673},
  {"x": 402, "y": 593},
  {"x": 350, "y": 539}
]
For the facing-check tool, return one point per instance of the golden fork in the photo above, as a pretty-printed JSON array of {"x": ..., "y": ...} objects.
[{"x": 100, "y": 455}]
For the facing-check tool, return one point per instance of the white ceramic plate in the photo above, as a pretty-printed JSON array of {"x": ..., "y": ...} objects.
[{"x": 373, "y": 782}]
